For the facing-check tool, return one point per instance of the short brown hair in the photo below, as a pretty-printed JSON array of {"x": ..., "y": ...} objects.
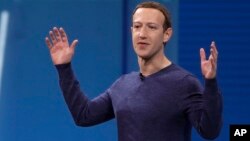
[{"x": 158, "y": 6}]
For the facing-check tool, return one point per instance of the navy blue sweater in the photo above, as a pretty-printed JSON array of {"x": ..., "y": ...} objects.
[{"x": 163, "y": 106}]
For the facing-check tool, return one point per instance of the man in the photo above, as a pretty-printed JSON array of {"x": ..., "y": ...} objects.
[{"x": 161, "y": 102}]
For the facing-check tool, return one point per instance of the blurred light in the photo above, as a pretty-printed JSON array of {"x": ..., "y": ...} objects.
[{"x": 3, "y": 35}]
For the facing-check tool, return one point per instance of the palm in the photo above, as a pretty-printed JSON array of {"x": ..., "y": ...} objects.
[
  {"x": 206, "y": 68},
  {"x": 60, "y": 50},
  {"x": 61, "y": 53},
  {"x": 209, "y": 67}
]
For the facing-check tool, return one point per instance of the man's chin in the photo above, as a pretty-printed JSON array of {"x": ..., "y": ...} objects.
[{"x": 143, "y": 56}]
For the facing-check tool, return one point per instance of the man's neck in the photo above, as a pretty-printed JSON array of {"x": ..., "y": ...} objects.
[{"x": 150, "y": 66}]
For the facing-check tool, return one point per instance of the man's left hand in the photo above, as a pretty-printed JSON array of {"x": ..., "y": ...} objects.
[{"x": 209, "y": 66}]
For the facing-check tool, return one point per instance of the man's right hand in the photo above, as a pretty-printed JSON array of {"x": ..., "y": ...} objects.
[{"x": 60, "y": 51}]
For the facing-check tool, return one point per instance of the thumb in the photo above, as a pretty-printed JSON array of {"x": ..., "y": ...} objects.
[
  {"x": 73, "y": 44},
  {"x": 202, "y": 55}
]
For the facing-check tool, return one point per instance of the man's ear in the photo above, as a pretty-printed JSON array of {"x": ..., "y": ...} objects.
[{"x": 167, "y": 34}]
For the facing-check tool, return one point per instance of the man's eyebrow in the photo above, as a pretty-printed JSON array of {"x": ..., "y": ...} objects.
[
  {"x": 153, "y": 23},
  {"x": 136, "y": 22},
  {"x": 148, "y": 23}
]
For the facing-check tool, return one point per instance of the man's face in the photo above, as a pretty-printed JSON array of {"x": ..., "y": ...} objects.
[{"x": 147, "y": 32}]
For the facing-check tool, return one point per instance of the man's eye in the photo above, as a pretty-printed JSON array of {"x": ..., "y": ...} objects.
[
  {"x": 152, "y": 27},
  {"x": 136, "y": 26}
]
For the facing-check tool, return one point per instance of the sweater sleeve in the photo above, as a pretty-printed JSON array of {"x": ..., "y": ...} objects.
[
  {"x": 85, "y": 112},
  {"x": 203, "y": 107}
]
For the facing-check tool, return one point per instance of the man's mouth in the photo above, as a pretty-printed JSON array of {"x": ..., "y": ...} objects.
[{"x": 143, "y": 43}]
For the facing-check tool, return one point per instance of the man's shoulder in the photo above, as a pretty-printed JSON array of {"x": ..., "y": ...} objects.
[
  {"x": 127, "y": 78},
  {"x": 185, "y": 79},
  {"x": 179, "y": 72}
]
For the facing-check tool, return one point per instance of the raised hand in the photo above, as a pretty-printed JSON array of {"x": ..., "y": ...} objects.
[
  {"x": 209, "y": 67},
  {"x": 60, "y": 51}
]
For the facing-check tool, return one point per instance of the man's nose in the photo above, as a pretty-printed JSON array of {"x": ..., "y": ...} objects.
[{"x": 143, "y": 33}]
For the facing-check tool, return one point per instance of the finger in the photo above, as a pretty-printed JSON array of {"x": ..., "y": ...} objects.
[
  {"x": 57, "y": 34},
  {"x": 214, "y": 50},
  {"x": 73, "y": 45},
  {"x": 52, "y": 37},
  {"x": 212, "y": 73},
  {"x": 63, "y": 35},
  {"x": 48, "y": 43},
  {"x": 213, "y": 45},
  {"x": 213, "y": 64},
  {"x": 213, "y": 54},
  {"x": 202, "y": 54}
]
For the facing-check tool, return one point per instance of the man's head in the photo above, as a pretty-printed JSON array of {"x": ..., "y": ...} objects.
[
  {"x": 151, "y": 29},
  {"x": 154, "y": 5}
]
